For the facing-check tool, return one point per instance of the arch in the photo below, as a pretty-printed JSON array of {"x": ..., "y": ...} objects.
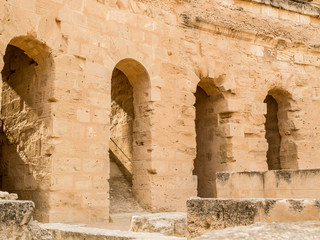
[
  {"x": 130, "y": 135},
  {"x": 209, "y": 154},
  {"x": 272, "y": 134},
  {"x": 134, "y": 71},
  {"x": 280, "y": 130},
  {"x": 27, "y": 83}
]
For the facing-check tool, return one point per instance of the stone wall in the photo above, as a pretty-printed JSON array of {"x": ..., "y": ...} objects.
[
  {"x": 208, "y": 214},
  {"x": 242, "y": 49},
  {"x": 269, "y": 184}
]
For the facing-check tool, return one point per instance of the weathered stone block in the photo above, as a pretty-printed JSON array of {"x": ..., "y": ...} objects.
[
  {"x": 16, "y": 221},
  {"x": 208, "y": 214},
  {"x": 269, "y": 184},
  {"x": 71, "y": 232},
  {"x": 171, "y": 224}
]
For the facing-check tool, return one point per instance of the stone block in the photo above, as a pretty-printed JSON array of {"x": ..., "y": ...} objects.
[
  {"x": 62, "y": 182},
  {"x": 171, "y": 224},
  {"x": 229, "y": 106},
  {"x": 16, "y": 221},
  {"x": 231, "y": 130},
  {"x": 257, "y": 50},
  {"x": 208, "y": 214},
  {"x": 96, "y": 69},
  {"x": 66, "y": 165},
  {"x": 64, "y": 231},
  {"x": 269, "y": 184},
  {"x": 83, "y": 114}
]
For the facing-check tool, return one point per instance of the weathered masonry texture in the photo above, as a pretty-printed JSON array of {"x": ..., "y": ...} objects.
[{"x": 175, "y": 91}]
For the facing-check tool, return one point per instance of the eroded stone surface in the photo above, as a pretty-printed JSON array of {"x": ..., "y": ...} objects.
[
  {"x": 74, "y": 232},
  {"x": 207, "y": 214},
  {"x": 172, "y": 224},
  {"x": 268, "y": 231},
  {"x": 286, "y": 183},
  {"x": 16, "y": 222},
  {"x": 58, "y": 59},
  {"x": 8, "y": 196}
]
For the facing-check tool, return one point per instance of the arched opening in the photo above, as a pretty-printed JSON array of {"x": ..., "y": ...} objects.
[
  {"x": 272, "y": 134},
  {"x": 129, "y": 136},
  {"x": 25, "y": 115},
  {"x": 280, "y": 130},
  {"x": 210, "y": 154}
]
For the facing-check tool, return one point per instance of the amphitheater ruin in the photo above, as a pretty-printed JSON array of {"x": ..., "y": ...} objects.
[{"x": 181, "y": 116}]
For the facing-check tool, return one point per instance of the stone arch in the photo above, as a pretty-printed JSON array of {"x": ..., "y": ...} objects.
[
  {"x": 280, "y": 130},
  {"x": 130, "y": 135},
  {"x": 210, "y": 144},
  {"x": 26, "y": 97}
]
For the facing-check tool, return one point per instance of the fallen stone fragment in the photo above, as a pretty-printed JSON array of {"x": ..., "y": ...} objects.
[{"x": 171, "y": 224}]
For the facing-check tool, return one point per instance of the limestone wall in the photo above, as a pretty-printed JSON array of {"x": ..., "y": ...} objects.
[
  {"x": 269, "y": 184},
  {"x": 242, "y": 50},
  {"x": 208, "y": 214}
]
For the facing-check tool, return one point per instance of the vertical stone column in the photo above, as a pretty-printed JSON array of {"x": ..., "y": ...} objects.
[
  {"x": 80, "y": 130},
  {"x": 173, "y": 144}
]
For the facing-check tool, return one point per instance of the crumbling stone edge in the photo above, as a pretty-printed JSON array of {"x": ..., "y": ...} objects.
[{"x": 293, "y": 6}]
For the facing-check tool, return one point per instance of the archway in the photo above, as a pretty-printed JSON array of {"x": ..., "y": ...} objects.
[
  {"x": 282, "y": 149},
  {"x": 272, "y": 134},
  {"x": 210, "y": 153},
  {"x": 25, "y": 114},
  {"x": 130, "y": 137}
]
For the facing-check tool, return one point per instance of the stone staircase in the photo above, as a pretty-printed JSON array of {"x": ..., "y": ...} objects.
[{"x": 122, "y": 201}]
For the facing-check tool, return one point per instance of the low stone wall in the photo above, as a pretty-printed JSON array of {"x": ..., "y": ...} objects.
[
  {"x": 73, "y": 232},
  {"x": 269, "y": 184},
  {"x": 170, "y": 224},
  {"x": 16, "y": 221},
  {"x": 205, "y": 214}
]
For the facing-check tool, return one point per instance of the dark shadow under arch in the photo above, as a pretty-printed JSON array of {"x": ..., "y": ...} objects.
[
  {"x": 130, "y": 134},
  {"x": 282, "y": 148},
  {"x": 27, "y": 87}
]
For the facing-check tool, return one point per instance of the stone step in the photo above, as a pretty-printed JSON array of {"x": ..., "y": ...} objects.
[
  {"x": 74, "y": 232},
  {"x": 122, "y": 199}
]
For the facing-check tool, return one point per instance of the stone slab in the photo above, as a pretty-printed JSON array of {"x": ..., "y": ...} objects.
[
  {"x": 208, "y": 214},
  {"x": 75, "y": 232},
  {"x": 170, "y": 224}
]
